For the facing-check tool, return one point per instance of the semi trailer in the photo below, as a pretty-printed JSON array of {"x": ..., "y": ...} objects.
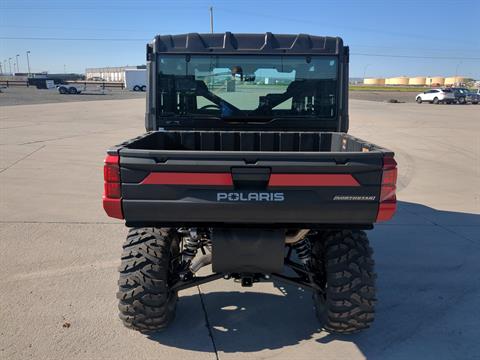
[{"x": 135, "y": 79}]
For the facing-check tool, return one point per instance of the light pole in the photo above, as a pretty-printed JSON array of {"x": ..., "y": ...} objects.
[
  {"x": 365, "y": 71},
  {"x": 1, "y": 69},
  {"x": 5, "y": 65},
  {"x": 16, "y": 59},
  {"x": 211, "y": 19},
  {"x": 28, "y": 63},
  {"x": 10, "y": 66}
]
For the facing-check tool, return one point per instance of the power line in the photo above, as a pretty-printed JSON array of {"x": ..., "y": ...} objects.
[
  {"x": 70, "y": 39},
  {"x": 145, "y": 39},
  {"x": 83, "y": 28},
  {"x": 418, "y": 56}
]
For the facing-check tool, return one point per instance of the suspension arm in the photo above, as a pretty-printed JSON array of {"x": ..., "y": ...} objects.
[
  {"x": 195, "y": 281},
  {"x": 297, "y": 281}
]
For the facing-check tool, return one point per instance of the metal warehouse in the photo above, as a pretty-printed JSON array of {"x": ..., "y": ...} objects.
[{"x": 116, "y": 73}]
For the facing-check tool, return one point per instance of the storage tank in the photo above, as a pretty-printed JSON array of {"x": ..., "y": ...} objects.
[
  {"x": 374, "y": 81},
  {"x": 455, "y": 80},
  {"x": 399, "y": 80},
  {"x": 418, "y": 81},
  {"x": 435, "y": 81}
]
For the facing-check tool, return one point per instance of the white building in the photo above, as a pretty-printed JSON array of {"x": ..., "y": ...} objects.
[{"x": 109, "y": 73}]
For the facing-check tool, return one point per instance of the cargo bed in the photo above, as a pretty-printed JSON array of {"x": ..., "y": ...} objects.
[
  {"x": 264, "y": 141},
  {"x": 233, "y": 178}
]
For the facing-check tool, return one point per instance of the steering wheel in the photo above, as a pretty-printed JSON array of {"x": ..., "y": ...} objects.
[{"x": 210, "y": 106}]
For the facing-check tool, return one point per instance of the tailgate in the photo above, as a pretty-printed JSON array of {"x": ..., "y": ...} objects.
[{"x": 278, "y": 189}]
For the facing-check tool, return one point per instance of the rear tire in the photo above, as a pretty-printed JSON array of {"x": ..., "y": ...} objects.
[
  {"x": 435, "y": 101},
  {"x": 342, "y": 261},
  {"x": 72, "y": 91},
  {"x": 136, "y": 88},
  {"x": 461, "y": 100},
  {"x": 143, "y": 88},
  {"x": 62, "y": 90},
  {"x": 146, "y": 302},
  {"x": 419, "y": 100}
]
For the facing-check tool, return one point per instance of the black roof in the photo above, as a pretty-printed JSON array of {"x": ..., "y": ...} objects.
[{"x": 267, "y": 43}]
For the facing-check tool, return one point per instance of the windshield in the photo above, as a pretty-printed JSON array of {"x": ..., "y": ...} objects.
[{"x": 247, "y": 86}]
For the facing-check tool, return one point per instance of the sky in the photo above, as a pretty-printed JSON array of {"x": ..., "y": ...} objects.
[{"x": 386, "y": 38}]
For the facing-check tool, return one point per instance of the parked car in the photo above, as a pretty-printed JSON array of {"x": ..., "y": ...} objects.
[
  {"x": 473, "y": 97},
  {"x": 460, "y": 95},
  {"x": 464, "y": 96},
  {"x": 436, "y": 96},
  {"x": 71, "y": 89}
]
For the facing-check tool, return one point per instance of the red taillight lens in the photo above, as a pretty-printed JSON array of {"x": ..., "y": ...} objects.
[
  {"x": 389, "y": 177},
  {"x": 112, "y": 190},
  {"x": 111, "y": 173},
  {"x": 386, "y": 210},
  {"x": 387, "y": 193},
  {"x": 112, "y": 194},
  {"x": 388, "y": 198},
  {"x": 389, "y": 163}
]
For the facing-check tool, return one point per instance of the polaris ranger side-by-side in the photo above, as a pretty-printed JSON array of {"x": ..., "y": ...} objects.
[{"x": 247, "y": 166}]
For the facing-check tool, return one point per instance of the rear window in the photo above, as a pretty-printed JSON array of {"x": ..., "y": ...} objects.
[{"x": 248, "y": 86}]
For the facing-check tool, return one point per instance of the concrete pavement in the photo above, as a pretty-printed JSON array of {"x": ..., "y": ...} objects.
[{"x": 59, "y": 251}]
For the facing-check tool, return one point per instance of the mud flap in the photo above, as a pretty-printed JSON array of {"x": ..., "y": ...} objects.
[{"x": 248, "y": 250}]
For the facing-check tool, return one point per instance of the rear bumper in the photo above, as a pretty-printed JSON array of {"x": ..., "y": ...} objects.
[{"x": 167, "y": 213}]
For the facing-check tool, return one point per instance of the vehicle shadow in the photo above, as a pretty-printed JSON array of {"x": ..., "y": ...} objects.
[{"x": 428, "y": 276}]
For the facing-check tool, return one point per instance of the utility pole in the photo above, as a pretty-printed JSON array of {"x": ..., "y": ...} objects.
[
  {"x": 211, "y": 19},
  {"x": 28, "y": 63},
  {"x": 10, "y": 66},
  {"x": 5, "y": 65},
  {"x": 16, "y": 59},
  {"x": 1, "y": 69}
]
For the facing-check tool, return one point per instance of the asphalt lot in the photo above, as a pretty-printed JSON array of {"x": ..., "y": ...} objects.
[
  {"x": 383, "y": 96},
  {"x": 31, "y": 95},
  {"x": 59, "y": 251}
]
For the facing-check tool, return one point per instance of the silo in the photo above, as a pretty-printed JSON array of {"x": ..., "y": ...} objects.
[
  {"x": 374, "y": 81},
  {"x": 435, "y": 81},
  {"x": 417, "y": 81},
  {"x": 455, "y": 80},
  {"x": 399, "y": 80}
]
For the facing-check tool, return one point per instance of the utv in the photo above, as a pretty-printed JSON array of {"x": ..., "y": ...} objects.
[{"x": 247, "y": 166}]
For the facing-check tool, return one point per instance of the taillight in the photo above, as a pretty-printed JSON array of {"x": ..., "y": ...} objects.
[
  {"x": 111, "y": 170},
  {"x": 112, "y": 194},
  {"x": 112, "y": 190},
  {"x": 388, "y": 198}
]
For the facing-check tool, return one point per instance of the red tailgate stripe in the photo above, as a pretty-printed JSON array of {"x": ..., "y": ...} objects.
[
  {"x": 183, "y": 178},
  {"x": 312, "y": 180}
]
